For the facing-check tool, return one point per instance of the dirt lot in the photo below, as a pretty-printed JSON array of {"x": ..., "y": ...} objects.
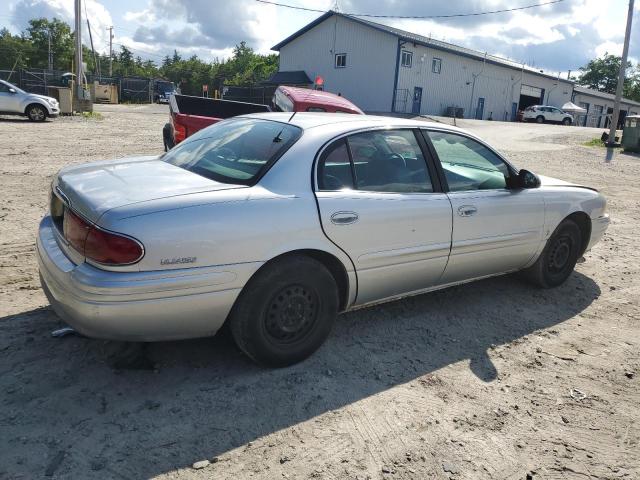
[{"x": 494, "y": 379}]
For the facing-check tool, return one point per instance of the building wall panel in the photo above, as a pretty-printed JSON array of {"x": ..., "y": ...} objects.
[{"x": 367, "y": 80}]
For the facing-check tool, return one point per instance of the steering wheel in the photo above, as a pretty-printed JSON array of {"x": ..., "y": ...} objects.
[{"x": 398, "y": 156}]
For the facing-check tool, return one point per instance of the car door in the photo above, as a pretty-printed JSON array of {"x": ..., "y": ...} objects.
[
  {"x": 8, "y": 100},
  {"x": 380, "y": 201},
  {"x": 495, "y": 228},
  {"x": 557, "y": 115}
]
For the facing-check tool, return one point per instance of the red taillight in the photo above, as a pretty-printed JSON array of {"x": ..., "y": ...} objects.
[
  {"x": 111, "y": 249},
  {"x": 97, "y": 245},
  {"x": 179, "y": 133},
  {"x": 75, "y": 230}
]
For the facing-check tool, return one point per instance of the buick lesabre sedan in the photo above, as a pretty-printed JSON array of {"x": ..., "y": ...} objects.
[{"x": 275, "y": 222}]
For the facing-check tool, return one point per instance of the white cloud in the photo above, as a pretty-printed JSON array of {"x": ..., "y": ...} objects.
[
  {"x": 99, "y": 17},
  {"x": 611, "y": 48}
]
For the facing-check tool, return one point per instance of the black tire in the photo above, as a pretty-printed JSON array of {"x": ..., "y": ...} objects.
[
  {"x": 566, "y": 121},
  {"x": 559, "y": 257},
  {"x": 36, "y": 112},
  {"x": 539, "y": 119},
  {"x": 285, "y": 312}
]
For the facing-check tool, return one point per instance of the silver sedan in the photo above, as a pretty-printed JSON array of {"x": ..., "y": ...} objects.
[{"x": 274, "y": 223}]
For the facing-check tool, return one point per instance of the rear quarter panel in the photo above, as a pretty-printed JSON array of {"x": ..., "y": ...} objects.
[{"x": 248, "y": 225}]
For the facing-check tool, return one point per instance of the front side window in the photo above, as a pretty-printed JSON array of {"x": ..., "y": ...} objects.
[
  {"x": 316, "y": 109},
  {"x": 407, "y": 59},
  {"x": 3, "y": 88},
  {"x": 341, "y": 60},
  {"x": 236, "y": 151},
  {"x": 467, "y": 164},
  {"x": 436, "y": 65}
]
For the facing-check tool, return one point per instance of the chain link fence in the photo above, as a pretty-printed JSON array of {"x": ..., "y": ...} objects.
[{"x": 130, "y": 89}]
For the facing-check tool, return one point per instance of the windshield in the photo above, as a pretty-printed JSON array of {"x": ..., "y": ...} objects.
[{"x": 235, "y": 151}]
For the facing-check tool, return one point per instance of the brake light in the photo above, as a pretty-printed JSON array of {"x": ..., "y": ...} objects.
[
  {"x": 75, "y": 230},
  {"x": 98, "y": 245},
  {"x": 179, "y": 133}
]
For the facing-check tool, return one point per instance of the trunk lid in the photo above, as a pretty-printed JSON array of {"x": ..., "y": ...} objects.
[{"x": 93, "y": 188}]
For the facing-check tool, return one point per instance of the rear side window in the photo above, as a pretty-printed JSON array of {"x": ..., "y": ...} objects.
[
  {"x": 334, "y": 169},
  {"x": 316, "y": 109},
  {"x": 235, "y": 151},
  {"x": 467, "y": 164},
  {"x": 377, "y": 161}
]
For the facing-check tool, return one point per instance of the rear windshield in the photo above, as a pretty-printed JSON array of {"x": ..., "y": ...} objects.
[{"x": 236, "y": 151}]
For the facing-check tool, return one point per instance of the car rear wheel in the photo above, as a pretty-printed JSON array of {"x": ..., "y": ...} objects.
[
  {"x": 566, "y": 121},
  {"x": 36, "y": 113},
  {"x": 559, "y": 257},
  {"x": 285, "y": 312},
  {"x": 539, "y": 119}
]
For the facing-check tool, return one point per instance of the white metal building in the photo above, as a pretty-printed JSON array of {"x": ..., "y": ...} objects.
[
  {"x": 384, "y": 69},
  {"x": 599, "y": 105}
]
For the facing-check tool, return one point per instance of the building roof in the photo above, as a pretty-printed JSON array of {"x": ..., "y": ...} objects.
[
  {"x": 403, "y": 35},
  {"x": 296, "y": 77},
  {"x": 595, "y": 93}
]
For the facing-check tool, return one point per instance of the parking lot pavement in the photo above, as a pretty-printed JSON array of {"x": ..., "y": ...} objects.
[{"x": 493, "y": 379}]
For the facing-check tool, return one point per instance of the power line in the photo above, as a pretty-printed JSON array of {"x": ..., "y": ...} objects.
[{"x": 416, "y": 17}]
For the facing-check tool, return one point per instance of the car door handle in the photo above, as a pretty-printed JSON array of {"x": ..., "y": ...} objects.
[
  {"x": 467, "y": 210},
  {"x": 344, "y": 218}
]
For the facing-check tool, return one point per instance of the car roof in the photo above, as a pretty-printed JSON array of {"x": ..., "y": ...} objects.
[
  {"x": 307, "y": 120},
  {"x": 317, "y": 96}
]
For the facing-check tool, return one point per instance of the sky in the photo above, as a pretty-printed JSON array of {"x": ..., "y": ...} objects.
[{"x": 559, "y": 37}]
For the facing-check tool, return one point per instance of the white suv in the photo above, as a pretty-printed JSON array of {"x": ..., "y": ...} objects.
[
  {"x": 546, "y": 113},
  {"x": 15, "y": 101}
]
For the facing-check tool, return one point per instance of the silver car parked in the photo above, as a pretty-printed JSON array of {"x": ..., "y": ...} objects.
[
  {"x": 275, "y": 223},
  {"x": 15, "y": 101}
]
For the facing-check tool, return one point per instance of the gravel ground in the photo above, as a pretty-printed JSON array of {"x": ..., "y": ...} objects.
[{"x": 494, "y": 379}]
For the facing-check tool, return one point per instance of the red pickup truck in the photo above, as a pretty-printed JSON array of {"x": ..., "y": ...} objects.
[{"x": 190, "y": 114}]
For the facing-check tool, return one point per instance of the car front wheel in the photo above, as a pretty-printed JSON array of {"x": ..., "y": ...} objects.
[
  {"x": 285, "y": 312},
  {"x": 36, "y": 113},
  {"x": 559, "y": 257},
  {"x": 566, "y": 121}
]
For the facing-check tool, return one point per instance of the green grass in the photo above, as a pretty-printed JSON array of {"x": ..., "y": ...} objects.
[
  {"x": 92, "y": 115},
  {"x": 595, "y": 142}
]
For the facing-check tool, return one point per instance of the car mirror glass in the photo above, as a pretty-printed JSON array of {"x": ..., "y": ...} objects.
[
  {"x": 12, "y": 90},
  {"x": 528, "y": 179}
]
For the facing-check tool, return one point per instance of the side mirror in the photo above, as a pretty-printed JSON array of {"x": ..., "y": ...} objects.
[
  {"x": 12, "y": 90},
  {"x": 527, "y": 179}
]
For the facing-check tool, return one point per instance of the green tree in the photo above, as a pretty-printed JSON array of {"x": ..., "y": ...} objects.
[
  {"x": 62, "y": 44},
  {"x": 15, "y": 51},
  {"x": 602, "y": 73}
]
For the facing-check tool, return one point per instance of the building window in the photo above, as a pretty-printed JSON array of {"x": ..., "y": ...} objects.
[
  {"x": 407, "y": 59},
  {"x": 436, "y": 65},
  {"x": 341, "y": 60}
]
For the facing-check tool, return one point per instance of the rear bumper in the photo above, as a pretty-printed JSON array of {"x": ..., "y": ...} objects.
[
  {"x": 598, "y": 227},
  {"x": 137, "y": 306}
]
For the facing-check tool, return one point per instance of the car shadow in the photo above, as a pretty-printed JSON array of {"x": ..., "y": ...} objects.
[
  {"x": 20, "y": 119},
  {"x": 93, "y": 409}
]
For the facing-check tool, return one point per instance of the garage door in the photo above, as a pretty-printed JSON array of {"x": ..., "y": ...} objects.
[{"x": 531, "y": 91}]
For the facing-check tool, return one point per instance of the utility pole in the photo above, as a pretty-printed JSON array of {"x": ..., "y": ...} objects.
[
  {"x": 50, "y": 52},
  {"x": 621, "y": 74},
  {"x": 79, "y": 86},
  {"x": 110, "y": 50}
]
